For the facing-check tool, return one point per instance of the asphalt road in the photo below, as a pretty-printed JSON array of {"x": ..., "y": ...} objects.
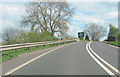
[
  {"x": 67, "y": 60},
  {"x": 107, "y": 52}
]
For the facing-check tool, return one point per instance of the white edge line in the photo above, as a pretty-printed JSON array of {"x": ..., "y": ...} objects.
[
  {"x": 104, "y": 60},
  {"x": 99, "y": 63},
  {"x": 113, "y": 46},
  {"x": 15, "y": 69}
]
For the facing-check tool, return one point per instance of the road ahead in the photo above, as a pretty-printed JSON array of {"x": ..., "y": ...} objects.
[{"x": 73, "y": 59}]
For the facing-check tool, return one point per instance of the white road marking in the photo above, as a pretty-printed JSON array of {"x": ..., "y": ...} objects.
[
  {"x": 113, "y": 46},
  {"x": 103, "y": 60},
  {"x": 28, "y": 62},
  {"x": 99, "y": 63},
  {"x": 15, "y": 69}
]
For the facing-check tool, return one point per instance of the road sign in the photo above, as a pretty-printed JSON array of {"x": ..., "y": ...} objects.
[
  {"x": 80, "y": 34},
  {"x": 59, "y": 35}
]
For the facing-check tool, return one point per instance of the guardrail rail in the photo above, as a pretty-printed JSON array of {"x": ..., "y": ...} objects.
[{"x": 27, "y": 45}]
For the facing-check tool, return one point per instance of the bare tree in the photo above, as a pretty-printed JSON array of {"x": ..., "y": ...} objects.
[
  {"x": 48, "y": 16},
  {"x": 12, "y": 36},
  {"x": 21, "y": 36},
  {"x": 8, "y": 35},
  {"x": 95, "y": 31}
]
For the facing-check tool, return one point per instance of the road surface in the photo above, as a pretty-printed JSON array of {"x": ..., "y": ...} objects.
[{"x": 73, "y": 59}]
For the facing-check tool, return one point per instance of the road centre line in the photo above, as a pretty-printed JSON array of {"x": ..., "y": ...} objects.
[
  {"x": 105, "y": 62},
  {"x": 99, "y": 63},
  {"x": 28, "y": 62}
]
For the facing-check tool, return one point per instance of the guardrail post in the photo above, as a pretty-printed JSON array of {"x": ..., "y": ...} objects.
[
  {"x": 53, "y": 44},
  {"x": 28, "y": 48},
  {"x": 49, "y": 45},
  {"x": 44, "y": 45},
  {"x": 16, "y": 50},
  {"x": 37, "y": 45}
]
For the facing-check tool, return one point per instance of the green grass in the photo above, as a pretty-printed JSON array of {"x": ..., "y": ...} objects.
[
  {"x": 10, "y": 54},
  {"x": 80, "y": 38},
  {"x": 115, "y": 43}
]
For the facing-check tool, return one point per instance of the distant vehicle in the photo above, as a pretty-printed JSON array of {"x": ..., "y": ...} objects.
[{"x": 111, "y": 38}]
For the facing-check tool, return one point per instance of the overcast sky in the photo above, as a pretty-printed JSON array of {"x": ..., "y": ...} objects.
[{"x": 102, "y": 12}]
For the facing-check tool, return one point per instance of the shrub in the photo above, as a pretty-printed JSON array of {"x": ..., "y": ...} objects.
[
  {"x": 39, "y": 37},
  {"x": 29, "y": 37}
]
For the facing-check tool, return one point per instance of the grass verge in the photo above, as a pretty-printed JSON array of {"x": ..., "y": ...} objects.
[
  {"x": 114, "y": 43},
  {"x": 10, "y": 54}
]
